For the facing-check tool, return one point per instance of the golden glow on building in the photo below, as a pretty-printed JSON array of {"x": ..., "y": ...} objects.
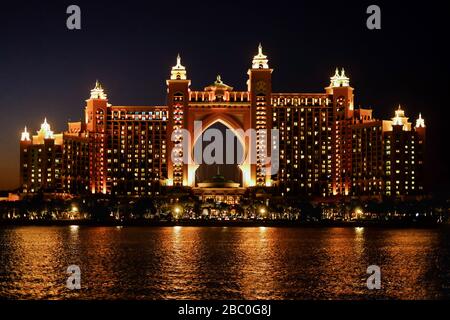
[
  {"x": 25, "y": 135},
  {"x": 339, "y": 79},
  {"x": 325, "y": 146},
  {"x": 98, "y": 92},
  {"x": 45, "y": 132},
  {"x": 420, "y": 123},
  {"x": 178, "y": 71},
  {"x": 403, "y": 156},
  {"x": 260, "y": 61},
  {"x": 398, "y": 120}
]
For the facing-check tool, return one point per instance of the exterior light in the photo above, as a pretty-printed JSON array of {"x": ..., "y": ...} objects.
[
  {"x": 358, "y": 212},
  {"x": 177, "y": 210},
  {"x": 262, "y": 211}
]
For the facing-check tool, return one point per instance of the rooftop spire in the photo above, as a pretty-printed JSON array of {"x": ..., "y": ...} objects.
[
  {"x": 260, "y": 61},
  {"x": 399, "y": 113},
  {"x": 400, "y": 119},
  {"x": 420, "y": 122},
  {"x": 98, "y": 92},
  {"x": 339, "y": 80},
  {"x": 178, "y": 71},
  {"x": 25, "y": 135},
  {"x": 46, "y": 130}
]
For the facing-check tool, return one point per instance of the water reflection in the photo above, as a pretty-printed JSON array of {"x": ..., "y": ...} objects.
[
  {"x": 411, "y": 257},
  {"x": 222, "y": 263}
]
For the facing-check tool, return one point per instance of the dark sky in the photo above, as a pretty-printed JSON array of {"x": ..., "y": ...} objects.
[{"x": 47, "y": 70}]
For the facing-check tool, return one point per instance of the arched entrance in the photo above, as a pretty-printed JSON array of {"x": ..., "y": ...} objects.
[
  {"x": 223, "y": 121},
  {"x": 230, "y": 159}
]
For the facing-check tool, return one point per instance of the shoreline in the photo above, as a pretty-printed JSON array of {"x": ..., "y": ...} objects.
[{"x": 206, "y": 223}]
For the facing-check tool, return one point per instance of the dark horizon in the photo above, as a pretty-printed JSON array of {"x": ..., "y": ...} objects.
[{"x": 47, "y": 70}]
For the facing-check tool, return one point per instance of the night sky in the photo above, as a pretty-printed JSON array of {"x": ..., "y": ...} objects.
[{"x": 47, "y": 70}]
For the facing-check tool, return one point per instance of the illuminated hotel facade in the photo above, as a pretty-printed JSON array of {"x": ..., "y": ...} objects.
[{"x": 326, "y": 147}]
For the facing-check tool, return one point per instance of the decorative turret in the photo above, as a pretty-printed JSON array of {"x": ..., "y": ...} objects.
[
  {"x": 339, "y": 80},
  {"x": 260, "y": 61},
  {"x": 25, "y": 135},
  {"x": 399, "y": 120},
  {"x": 420, "y": 122},
  {"x": 98, "y": 92},
  {"x": 399, "y": 117},
  {"x": 45, "y": 130},
  {"x": 178, "y": 71}
]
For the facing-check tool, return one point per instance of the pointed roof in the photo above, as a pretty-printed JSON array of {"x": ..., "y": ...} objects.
[
  {"x": 46, "y": 130},
  {"x": 179, "y": 61},
  {"x": 339, "y": 79},
  {"x": 260, "y": 61},
  {"x": 98, "y": 92},
  {"x": 25, "y": 135},
  {"x": 420, "y": 122},
  {"x": 399, "y": 113},
  {"x": 97, "y": 85},
  {"x": 400, "y": 119},
  {"x": 178, "y": 71}
]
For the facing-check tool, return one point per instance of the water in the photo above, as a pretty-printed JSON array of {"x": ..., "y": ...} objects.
[{"x": 223, "y": 263}]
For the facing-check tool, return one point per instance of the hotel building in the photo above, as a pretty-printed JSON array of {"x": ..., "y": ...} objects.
[
  {"x": 367, "y": 154},
  {"x": 41, "y": 160},
  {"x": 326, "y": 147},
  {"x": 404, "y": 152}
]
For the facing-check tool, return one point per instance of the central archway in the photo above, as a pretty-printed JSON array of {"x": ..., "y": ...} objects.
[
  {"x": 242, "y": 168},
  {"x": 234, "y": 150}
]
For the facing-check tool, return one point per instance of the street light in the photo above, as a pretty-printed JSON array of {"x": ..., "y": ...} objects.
[
  {"x": 262, "y": 212},
  {"x": 177, "y": 210},
  {"x": 359, "y": 213}
]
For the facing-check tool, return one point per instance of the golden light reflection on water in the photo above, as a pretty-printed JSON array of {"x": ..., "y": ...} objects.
[
  {"x": 412, "y": 258},
  {"x": 222, "y": 263},
  {"x": 31, "y": 261}
]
